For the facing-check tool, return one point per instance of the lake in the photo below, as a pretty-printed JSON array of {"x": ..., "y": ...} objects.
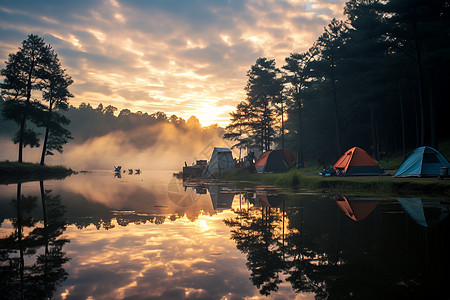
[{"x": 151, "y": 236}]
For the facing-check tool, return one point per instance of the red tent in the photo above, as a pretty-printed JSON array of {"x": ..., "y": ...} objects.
[
  {"x": 288, "y": 156},
  {"x": 270, "y": 162},
  {"x": 356, "y": 161}
]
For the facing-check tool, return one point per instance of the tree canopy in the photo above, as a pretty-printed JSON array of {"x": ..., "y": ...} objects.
[
  {"x": 377, "y": 80},
  {"x": 35, "y": 67}
]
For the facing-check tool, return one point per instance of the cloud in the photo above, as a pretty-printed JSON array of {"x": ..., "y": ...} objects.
[{"x": 141, "y": 54}]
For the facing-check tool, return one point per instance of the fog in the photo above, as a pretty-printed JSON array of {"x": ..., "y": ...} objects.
[{"x": 162, "y": 146}]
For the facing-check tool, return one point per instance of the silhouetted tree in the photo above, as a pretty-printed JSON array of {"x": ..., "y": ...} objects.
[
  {"x": 56, "y": 93},
  {"x": 23, "y": 73},
  {"x": 298, "y": 72},
  {"x": 255, "y": 118},
  {"x": 330, "y": 44}
]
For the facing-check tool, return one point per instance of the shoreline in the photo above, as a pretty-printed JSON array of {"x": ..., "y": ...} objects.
[
  {"x": 14, "y": 172},
  {"x": 379, "y": 185}
]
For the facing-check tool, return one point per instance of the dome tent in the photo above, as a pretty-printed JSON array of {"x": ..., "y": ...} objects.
[
  {"x": 355, "y": 162},
  {"x": 271, "y": 162},
  {"x": 423, "y": 162}
]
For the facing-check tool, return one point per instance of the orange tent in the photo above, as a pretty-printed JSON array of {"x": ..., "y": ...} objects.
[{"x": 356, "y": 161}]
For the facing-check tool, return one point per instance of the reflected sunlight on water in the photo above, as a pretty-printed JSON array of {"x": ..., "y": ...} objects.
[{"x": 97, "y": 236}]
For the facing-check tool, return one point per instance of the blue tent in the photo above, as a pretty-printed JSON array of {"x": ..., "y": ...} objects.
[{"x": 423, "y": 162}]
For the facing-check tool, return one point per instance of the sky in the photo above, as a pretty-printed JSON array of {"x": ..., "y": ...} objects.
[{"x": 181, "y": 57}]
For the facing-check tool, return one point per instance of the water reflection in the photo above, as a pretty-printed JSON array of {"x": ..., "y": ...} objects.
[
  {"x": 153, "y": 236},
  {"x": 356, "y": 208},
  {"x": 322, "y": 251},
  {"x": 32, "y": 256},
  {"x": 425, "y": 212}
]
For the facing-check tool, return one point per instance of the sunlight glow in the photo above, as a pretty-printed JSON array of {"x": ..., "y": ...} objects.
[
  {"x": 98, "y": 34},
  {"x": 75, "y": 42},
  {"x": 129, "y": 46},
  {"x": 226, "y": 39},
  {"x": 203, "y": 225},
  {"x": 49, "y": 20},
  {"x": 119, "y": 18}
]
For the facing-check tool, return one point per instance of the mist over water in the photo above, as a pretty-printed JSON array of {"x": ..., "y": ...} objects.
[{"x": 161, "y": 146}]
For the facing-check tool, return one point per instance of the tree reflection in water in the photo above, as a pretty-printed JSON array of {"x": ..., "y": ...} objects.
[
  {"x": 256, "y": 235},
  {"x": 318, "y": 248},
  {"x": 32, "y": 257}
]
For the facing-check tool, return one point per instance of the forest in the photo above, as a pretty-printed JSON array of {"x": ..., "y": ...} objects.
[{"x": 377, "y": 80}]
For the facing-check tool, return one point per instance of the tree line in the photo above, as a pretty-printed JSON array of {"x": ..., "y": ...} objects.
[
  {"x": 377, "y": 79},
  {"x": 108, "y": 119},
  {"x": 35, "y": 67},
  {"x": 34, "y": 103}
]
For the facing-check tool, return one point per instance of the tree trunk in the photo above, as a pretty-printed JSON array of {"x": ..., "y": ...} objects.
[
  {"x": 432, "y": 119},
  {"x": 300, "y": 134},
  {"x": 338, "y": 133},
  {"x": 417, "y": 115},
  {"x": 282, "y": 124},
  {"x": 374, "y": 131},
  {"x": 420, "y": 84},
  {"x": 422, "y": 113},
  {"x": 403, "y": 119},
  {"x": 47, "y": 129},
  {"x": 24, "y": 116},
  {"x": 22, "y": 129}
]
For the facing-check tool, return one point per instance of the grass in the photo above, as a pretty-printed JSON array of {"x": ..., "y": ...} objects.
[
  {"x": 13, "y": 172},
  {"x": 308, "y": 178}
]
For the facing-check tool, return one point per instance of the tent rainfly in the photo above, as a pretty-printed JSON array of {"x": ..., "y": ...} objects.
[
  {"x": 423, "y": 162},
  {"x": 288, "y": 156},
  {"x": 270, "y": 162},
  {"x": 221, "y": 161},
  {"x": 356, "y": 162}
]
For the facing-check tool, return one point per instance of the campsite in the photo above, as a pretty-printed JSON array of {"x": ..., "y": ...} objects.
[
  {"x": 423, "y": 172},
  {"x": 245, "y": 149}
]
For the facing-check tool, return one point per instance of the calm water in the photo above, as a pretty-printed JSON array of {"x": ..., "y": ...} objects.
[{"x": 96, "y": 236}]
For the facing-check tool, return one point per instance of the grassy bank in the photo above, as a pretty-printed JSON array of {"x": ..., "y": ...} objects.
[
  {"x": 307, "y": 179},
  {"x": 13, "y": 172}
]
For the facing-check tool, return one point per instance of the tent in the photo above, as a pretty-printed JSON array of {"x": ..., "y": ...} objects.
[
  {"x": 423, "y": 162},
  {"x": 356, "y": 210},
  {"x": 288, "y": 156},
  {"x": 221, "y": 161},
  {"x": 425, "y": 212},
  {"x": 356, "y": 162},
  {"x": 270, "y": 162}
]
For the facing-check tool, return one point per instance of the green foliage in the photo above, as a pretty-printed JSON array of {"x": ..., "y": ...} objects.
[
  {"x": 253, "y": 124},
  {"x": 35, "y": 67},
  {"x": 377, "y": 80}
]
